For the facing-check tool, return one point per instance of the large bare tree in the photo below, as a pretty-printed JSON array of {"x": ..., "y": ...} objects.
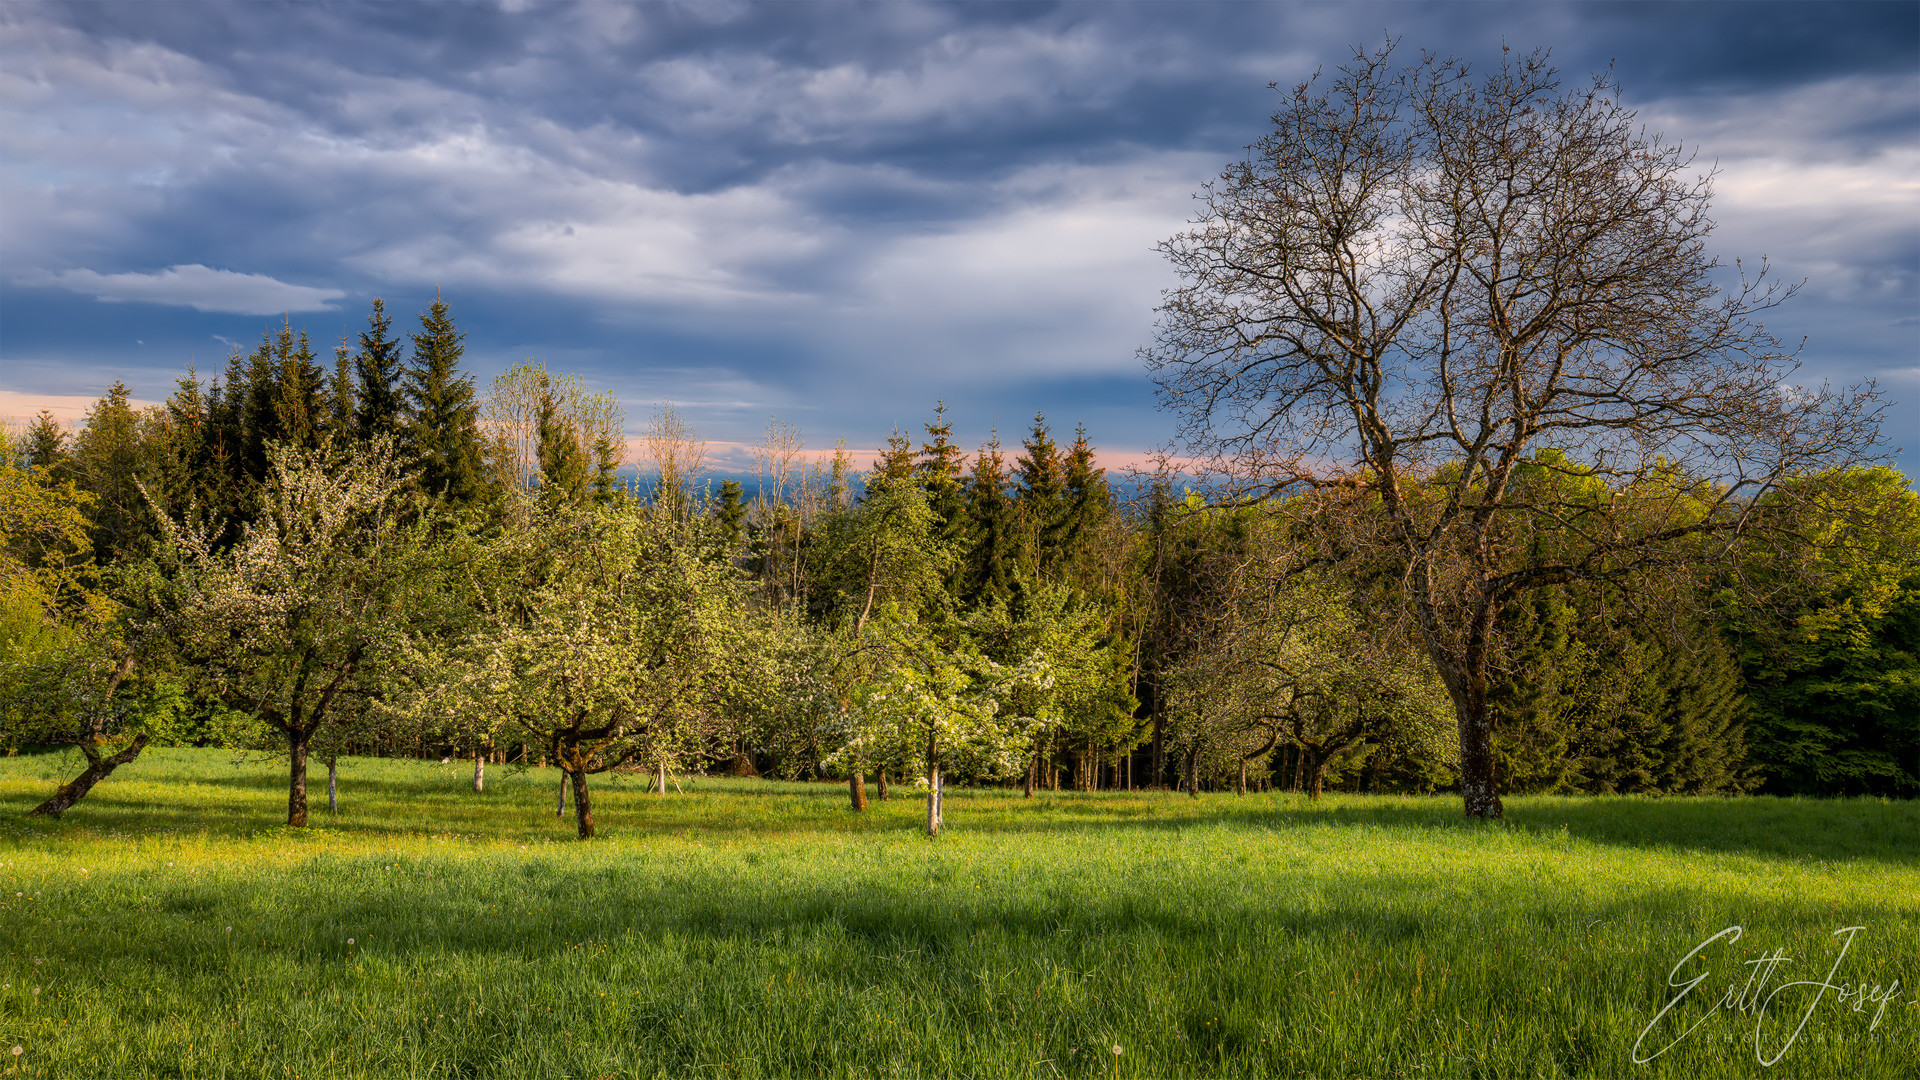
[{"x": 1423, "y": 280}]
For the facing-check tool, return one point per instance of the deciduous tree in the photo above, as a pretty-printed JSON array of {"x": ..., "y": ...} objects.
[{"x": 1420, "y": 277}]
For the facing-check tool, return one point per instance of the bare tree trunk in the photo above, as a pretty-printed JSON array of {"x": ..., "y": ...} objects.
[
  {"x": 1033, "y": 773},
  {"x": 1318, "y": 774},
  {"x": 560, "y": 801},
  {"x": 333, "y": 783},
  {"x": 479, "y": 771},
  {"x": 1193, "y": 773},
  {"x": 582, "y": 805},
  {"x": 297, "y": 778},
  {"x": 662, "y": 774},
  {"x": 1240, "y": 785},
  {"x": 883, "y": 785},
  {"x": 98, "y": 769}
]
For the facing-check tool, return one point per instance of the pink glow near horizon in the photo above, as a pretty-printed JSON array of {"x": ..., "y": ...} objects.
[{"x": 723, "y": 456}]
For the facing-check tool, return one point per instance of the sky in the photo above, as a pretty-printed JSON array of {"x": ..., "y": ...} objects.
[{"x": 833, "y": 214}]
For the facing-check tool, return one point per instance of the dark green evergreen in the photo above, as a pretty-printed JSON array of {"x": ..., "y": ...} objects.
[
  {"x": 731, "y": 514},
  {"x": 380, "y": 374},
  {"x": 443, "y": 425},
  {"x": 1040, "y": 500}
]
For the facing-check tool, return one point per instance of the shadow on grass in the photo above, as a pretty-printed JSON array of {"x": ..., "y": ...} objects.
[{"x": 1769, "y": 828}]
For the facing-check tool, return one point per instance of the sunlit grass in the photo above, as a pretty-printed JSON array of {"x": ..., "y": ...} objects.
[{"x": 172, "y": 926}]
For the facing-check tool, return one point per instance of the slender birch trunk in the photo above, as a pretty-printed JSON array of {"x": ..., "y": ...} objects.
[
  {"x": 479, "y": 770},
  {"x": 333, "y": 783}
]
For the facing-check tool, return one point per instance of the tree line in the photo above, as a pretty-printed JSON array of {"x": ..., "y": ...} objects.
[
  {"x": 1492, "y": 486},
  {"x": 385, "y": 559}
]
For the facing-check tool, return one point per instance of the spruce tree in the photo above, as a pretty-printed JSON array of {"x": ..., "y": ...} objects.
[
  {"x": 563, "y": 466},
  {"x": 893, "y": 466},
  {"x": 1088, "y": 498},
  {"x": 606, "y": 465},
  {"x": 299, "y": 389},
  {"x": 731, "y": 514},
  {"x": 341, "y": 425},
  {"x": 443, "y": 425},
  {"x": 259, "y": 416},
  {"x": 994, "y": 549},
  {"x": 377, "y": 366},
  {"x": 47, "y": 446},
  {"x": 106, "y": 462},
  {"x": 940, "y": 465},
  {"x": 1041, "y": 499}
]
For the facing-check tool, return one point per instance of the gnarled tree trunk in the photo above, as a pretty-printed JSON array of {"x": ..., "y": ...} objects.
[{"x": 98, "y": 769}]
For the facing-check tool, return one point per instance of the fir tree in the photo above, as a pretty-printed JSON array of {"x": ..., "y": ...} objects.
[
  {"x": 299, "y": 389},
  {"x": 444, "y": 429},
  {"x": 106, "y": 462},
  {"x": 940, "y": 468},
  {"x": 991, "y": 568},
  {"x": 731, "y": 514},
  {"x": 563, "y": 467},
  {"x": 606, "y": 469},
  {"x": 47, "y": 446},
  {"x": 1041, "y": 499},
  {"x": 893, "y": 466},
  {"x": 378, "y": 369},
  {"x": 341, "y": 424},
  {"x": 259, "y": 416},
  {"x": 1089, "y": 500}
]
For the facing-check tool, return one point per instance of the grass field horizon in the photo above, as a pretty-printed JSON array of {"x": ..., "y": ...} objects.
[{"x": 171, "y": 925}]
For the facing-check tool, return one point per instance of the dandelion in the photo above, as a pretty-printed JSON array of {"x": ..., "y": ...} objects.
[
  {"x": 17, "y": 1051},
  {"x": 1117, "y": 1050},
  {"x": 349, "y": 941}
]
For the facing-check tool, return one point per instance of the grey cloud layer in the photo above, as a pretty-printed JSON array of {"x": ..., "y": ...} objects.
[{"x": 932, "y": 199}]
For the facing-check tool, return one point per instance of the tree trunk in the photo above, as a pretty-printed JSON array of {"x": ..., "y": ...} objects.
[
  {"x": 662, "y": 775},
  {"x": 479, "y": 771},
  {"x": 560, "y": 800},
  {"x": 1316, "y": 775},
  {"x": 582, "y": 805},
  {"x": 1193, "y": 773},
  {"x": 883, "y": 785},
  {"x": 297, "y": 779},
  {"x": 933, "y": 801},
  {"x": 1033, "y": 773},
  {"x": 333, "y": 783},
  {"x": 1159, "y": 770},
  {"x": 857, "y": 789},
  {"x": 1478, "y": 788},
  {"x": 1240, "y": 785},
  {"x": 98, "y": 769}
]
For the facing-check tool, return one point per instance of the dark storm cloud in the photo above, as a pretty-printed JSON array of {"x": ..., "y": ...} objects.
[{"x": 839, "y": 212}]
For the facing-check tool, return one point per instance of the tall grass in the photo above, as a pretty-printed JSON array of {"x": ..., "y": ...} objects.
[{"x": 170, "y": 925}]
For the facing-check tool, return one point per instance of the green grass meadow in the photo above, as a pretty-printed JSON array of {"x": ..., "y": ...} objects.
[{"x": 171, "y": 926}]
